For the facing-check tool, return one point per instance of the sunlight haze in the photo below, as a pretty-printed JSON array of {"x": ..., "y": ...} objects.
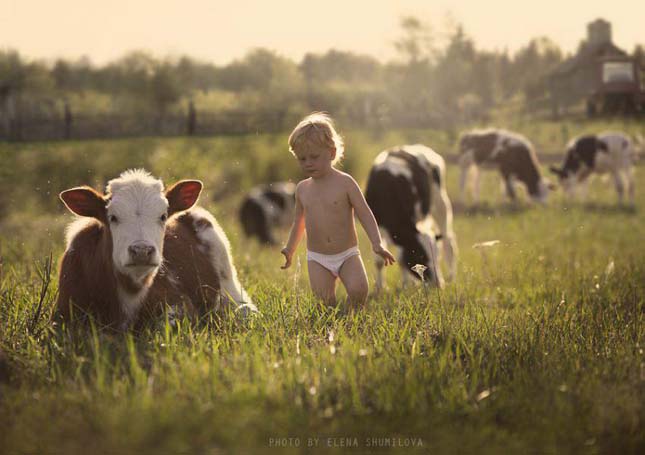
[{"x": 221, "y": 31}]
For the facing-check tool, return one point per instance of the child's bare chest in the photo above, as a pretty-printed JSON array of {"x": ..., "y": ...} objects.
[{"x": 328, "y": 201}]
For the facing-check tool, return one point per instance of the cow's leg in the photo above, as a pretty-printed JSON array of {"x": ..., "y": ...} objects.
[
  {"x": 442, "y": 211},
  {"x": 405, "y": 272},
  {"x": 231, "y": 288},
  {"x": 251, "y": 217},
  {"x": 466, "y": 163},
  {"x": 266, "y": 236},
  {"x": 618, "y": 182},
  {"x": 580, "y": 185},
  {"x": 379, "y": 263},
  {"x": 476, "y": 181},
  {"x": 463, "y": 178},
  {"x": 581, "y": 189},
  {"x": 629, "y": 174},
  {"x": 510, "y": 188},
  {"x": 450, "y": 250},
  {"x": 263, "y": 226}
]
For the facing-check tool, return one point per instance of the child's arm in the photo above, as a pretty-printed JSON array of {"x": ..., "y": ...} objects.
[
  {"x": 297, "y": 230},
  {"x": 366, "y": 217}
]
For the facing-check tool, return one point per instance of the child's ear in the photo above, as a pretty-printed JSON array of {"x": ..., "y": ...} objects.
[{"x": 333, "y": 153}]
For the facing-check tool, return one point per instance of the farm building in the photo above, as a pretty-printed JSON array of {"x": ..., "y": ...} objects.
[{"x": 601, "y": 73}]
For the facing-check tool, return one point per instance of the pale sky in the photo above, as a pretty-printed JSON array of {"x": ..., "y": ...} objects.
[{"x": 220, "y": 31}]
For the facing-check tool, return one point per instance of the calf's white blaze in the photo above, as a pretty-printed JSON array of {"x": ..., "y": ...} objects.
[{"x": 135, "y": 211}]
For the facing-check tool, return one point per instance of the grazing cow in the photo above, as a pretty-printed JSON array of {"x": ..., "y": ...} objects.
[
  {"x": 406, "y": 191},
  {"x": 265, "y": 207},
  {"x": 137, "y": 247},
  {"x": 510, "y": 153},
  {"x": 610, "y": 152}
]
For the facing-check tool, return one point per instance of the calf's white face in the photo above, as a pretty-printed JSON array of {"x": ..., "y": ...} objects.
[
  {"x": 136, "y": 215},
  {"x": 135, "y": 209}
]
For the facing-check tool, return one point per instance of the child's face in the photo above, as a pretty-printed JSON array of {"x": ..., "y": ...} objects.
[{"x": 315, "y": 161}]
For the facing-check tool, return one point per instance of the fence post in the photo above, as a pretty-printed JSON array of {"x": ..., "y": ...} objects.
[
  {"x": 192, "y": 119},
  {"x": 68, "y": 121},
  {"x": 10, "y": 114}
]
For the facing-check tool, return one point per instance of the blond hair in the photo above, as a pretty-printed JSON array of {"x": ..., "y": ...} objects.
[{"x": 315, "y": 131}]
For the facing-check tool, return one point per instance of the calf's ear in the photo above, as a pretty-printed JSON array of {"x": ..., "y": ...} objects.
[
  {"x": 183, "y": 195},
  {"x": 85, "y": 201}
]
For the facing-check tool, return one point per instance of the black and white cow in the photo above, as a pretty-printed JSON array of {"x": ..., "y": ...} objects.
[
  {"x": 266, "y": 207},
  {"x": 510, "y": 153},
  {"x": 609, "y": 152},
  {"x": 406, "y": 191}
]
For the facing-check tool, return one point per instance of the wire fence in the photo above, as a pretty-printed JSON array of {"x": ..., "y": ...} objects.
[{"x": 70, "y": 126}]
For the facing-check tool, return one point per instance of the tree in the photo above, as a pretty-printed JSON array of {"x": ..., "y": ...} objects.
[
  {"x": 340, "y": 66},
  {"x": 13, "y": 71},
  {"x": 264, "y": 80},
  {"x": 532, "y": 64},
  {"x": 416, "y": 43},
  {"x": 164, "y": 88},
  {"x": 454, "y": 77}
]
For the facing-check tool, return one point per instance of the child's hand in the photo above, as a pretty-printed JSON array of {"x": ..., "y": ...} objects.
[
  {"x": 287, "y": 256},
  {"x": 385, "y": 254}
]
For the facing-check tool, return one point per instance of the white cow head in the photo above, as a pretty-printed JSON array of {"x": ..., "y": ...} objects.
[
  {"x": 135, "y": 209},
  {"x": 420, "y": 257},
  {"x": 545, "y": 187},
  {"x": 567, "y": 177}
]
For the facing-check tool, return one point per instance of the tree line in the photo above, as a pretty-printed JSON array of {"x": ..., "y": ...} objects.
[{"x": 429, "y": 84}]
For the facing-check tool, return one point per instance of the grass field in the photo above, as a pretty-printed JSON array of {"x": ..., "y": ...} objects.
[{"x": 537, "y": 347}]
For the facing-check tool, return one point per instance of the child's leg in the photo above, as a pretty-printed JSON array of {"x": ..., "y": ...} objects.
[
  {"x": 323, "y": 283},
  {"x": 352, "y": 274}
]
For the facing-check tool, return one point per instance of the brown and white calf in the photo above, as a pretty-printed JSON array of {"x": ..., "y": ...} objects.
[
  {"x": 406, "y": 191},
  {"x": 138, "y": 247},
  {"x": 609, "y": 152},
  {"x": 510, "y": 153}
]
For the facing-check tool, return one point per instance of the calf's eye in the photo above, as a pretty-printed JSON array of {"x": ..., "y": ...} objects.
[
  {"x": 163, "y": 218},
  {"x": 113, "y": 219}
]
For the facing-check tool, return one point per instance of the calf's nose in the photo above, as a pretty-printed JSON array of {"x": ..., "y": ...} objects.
[{"x": 141, "y": 253}]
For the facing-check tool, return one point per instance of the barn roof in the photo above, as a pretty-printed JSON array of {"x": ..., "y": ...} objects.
[{"x": 587, "y": 55}]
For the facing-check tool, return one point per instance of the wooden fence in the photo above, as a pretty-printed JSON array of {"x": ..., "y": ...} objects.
[{"x": 72, "y": 126}]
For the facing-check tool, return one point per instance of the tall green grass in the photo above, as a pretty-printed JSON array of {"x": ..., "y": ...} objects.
[{"x": 537, "y": 346}]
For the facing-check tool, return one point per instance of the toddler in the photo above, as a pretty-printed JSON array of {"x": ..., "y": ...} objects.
[{"x": 325, "y": 206}]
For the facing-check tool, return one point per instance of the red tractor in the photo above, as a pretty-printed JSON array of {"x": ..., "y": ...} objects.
[{"x": 619, "y": 87}]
